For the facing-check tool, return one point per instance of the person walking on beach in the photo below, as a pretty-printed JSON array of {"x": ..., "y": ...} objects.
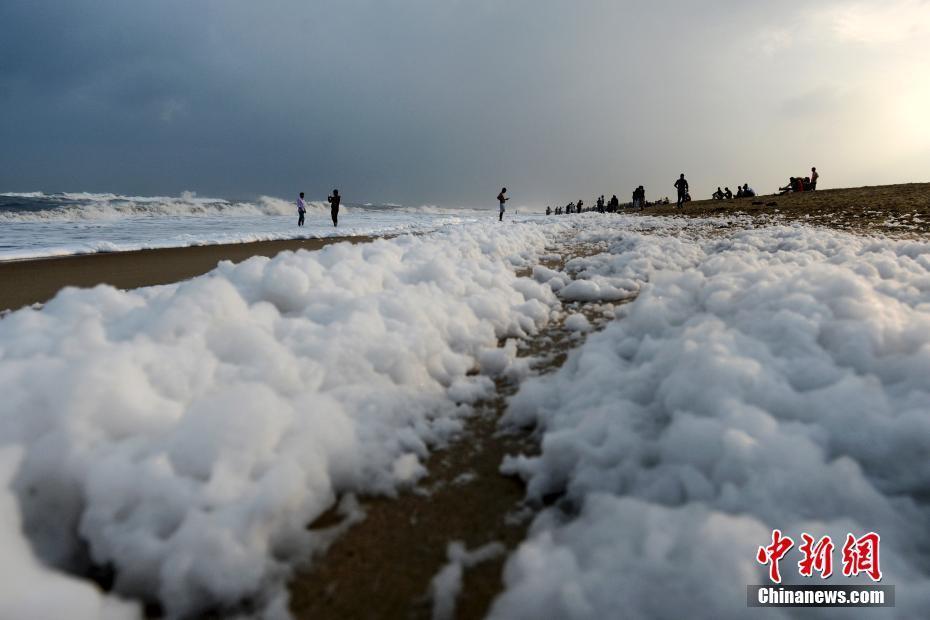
[
  {"x": 814, "y": 177},
  {"x": 682, "y": 185},
  {"x": 301, "y": 209},
  {"x": 501, "y": 198},
  {"x": 334, "y": 201}
]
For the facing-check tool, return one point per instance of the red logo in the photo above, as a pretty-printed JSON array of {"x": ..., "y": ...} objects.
[
  {"x": 817, "y": 557},
  {"x": 860, "y": 555},
  {"x": 773, "y": 554}
]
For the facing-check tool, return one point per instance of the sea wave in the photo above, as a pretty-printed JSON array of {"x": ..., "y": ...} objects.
[{"x": 39, "y": 206}]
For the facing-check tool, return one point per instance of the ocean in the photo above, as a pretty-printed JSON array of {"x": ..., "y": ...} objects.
[{"x": 38, "y": 224}]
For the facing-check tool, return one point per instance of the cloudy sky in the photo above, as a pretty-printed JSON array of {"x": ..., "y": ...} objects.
[{"x": 443, "y": 101}]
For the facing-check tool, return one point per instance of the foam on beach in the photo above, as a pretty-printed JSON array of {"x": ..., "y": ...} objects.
[
  {"x": 752, "y": 377},
  {"x": 762, "y": 379},
  {"x": 187, "y": 434}
]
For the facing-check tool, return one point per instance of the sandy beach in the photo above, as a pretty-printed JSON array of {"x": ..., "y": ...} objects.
[
  {"x": 390, "y": 481},
  {"x": 36, "y": 281},
  {"x": 298, "y": 325},
  {"x": 898, "y": 209},
  {"x": 901, "y": 208}
]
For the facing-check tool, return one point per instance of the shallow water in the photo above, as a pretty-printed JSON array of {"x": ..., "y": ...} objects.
[{"x": 35, "y": 225}]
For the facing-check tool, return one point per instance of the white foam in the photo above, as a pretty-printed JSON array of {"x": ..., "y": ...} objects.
[
  {"x": 447, "y": 584},
  {"x": 32, "y": 590},
  {"x": 770, "y": 378},
  {"x": 189, "y": 433}
]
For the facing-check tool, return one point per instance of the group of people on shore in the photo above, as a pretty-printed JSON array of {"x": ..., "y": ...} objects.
[
  {"x": 741, "y": 192},
  {"x": 333, "y": 199},
  {"x": 602, "y": 205},
  {"x": 795, "y": 184},
  {"x": 799, "y": 184},
  {"x": 639, "y": 199}
]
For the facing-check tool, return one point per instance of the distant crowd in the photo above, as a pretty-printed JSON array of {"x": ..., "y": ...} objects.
[{"x": 795, "y": 184}]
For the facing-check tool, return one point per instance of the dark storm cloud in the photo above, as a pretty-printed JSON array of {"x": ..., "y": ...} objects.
[{"x": 427, "y": 101}]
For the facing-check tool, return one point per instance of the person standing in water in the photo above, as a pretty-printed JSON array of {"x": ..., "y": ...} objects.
[
  {"x": 301, "y": 209},
  {"x": 682, "y": 186},
  {"x": 334, "y": 201},
  {"x": 501, "y": 198}
]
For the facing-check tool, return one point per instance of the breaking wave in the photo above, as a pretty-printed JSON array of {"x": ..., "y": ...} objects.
[{"x": 39, "y": 206}]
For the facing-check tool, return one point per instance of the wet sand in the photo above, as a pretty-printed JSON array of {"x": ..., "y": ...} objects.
[
  {"x": 27, "y": 282},
  {"x": 382, "y": 567}
]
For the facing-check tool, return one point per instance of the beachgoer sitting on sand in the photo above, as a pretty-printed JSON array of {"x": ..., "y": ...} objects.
[
  {"x": 334, "y": 201},
  {"x": 301, "y": 209},
  {"x": 727, "y": 193},
  {"x": 787, "y": 188},
  {"x": 748, "y": 192},
  {"x": 718, "y": 195}
]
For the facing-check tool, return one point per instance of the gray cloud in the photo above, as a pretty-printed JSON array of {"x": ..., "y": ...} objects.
[{"x": 420, "y": 101}]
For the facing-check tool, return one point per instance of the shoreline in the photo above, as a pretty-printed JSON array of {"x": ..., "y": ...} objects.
[
  {"x": 24, "y": 282},
  {"x": 886, "y": 209}
]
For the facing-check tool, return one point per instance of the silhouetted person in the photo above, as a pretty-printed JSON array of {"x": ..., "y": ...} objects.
[
  {"x": 748, "y": 192},
  {"x": 614, "y": 204},
  {"x": 334, "y": 201},
  {"x": 639, "y": 197},
  {"x": 301, "y": 209},
  {"x": 814, "y": 176},
  {"x": 682, "y": 186},
  {"x": 501, "y": 198},
  {"x": 718, "y": 195},
  {"x": 727, "y": 193},
  {"x": 579, "y": 208},
  {"x": 548, "y": 211}
]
